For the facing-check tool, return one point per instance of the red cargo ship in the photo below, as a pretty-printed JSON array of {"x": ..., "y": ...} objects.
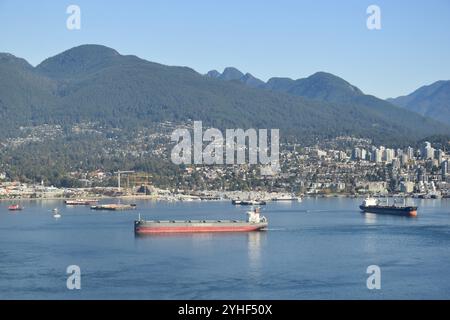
[{"x": 254, "y": 223}]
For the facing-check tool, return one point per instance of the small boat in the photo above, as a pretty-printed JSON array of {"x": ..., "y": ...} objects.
[
  {"x": 15, "y": 207},
  {"x": 56, "y": 213}
]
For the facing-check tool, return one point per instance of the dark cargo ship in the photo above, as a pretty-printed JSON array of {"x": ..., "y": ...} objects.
[
  {"x": 254, "y": 222},
  {"x": 371, "y": 205},
  {"x": 114, "y": 207}
]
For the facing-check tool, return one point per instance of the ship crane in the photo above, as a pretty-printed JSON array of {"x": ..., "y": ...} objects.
[{"x": 118, "y": 176}]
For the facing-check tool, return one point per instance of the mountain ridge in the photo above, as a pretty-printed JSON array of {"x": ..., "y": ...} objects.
[
  {"x": 430, "y": 100},
  {"x": 96, "y": 83}
]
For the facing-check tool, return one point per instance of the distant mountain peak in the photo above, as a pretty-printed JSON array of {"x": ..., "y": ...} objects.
[
  {"x": 230, "y": 74},
  {"x": 77, "y": 60},
  {"x": 213, "y": 74},
  {"x": 233, "y": 74},
  {"x": 6, "y": 55},
  {"x": 333, "y": 80},
  {"x": 90, "y": 49},
  {"x": 9, "y": 58},
  {"x": 431, "y": 100},
  {"x": 251, "y": 81}
]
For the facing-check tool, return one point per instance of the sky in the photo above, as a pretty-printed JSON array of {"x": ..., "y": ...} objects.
[{"x": 268, "y": 38}]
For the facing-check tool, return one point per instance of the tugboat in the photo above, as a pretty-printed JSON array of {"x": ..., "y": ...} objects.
[
  {"x": 15, "y": 207},
  {"x": 254, "y": 223},
  {"x": 372, "y": 205}
]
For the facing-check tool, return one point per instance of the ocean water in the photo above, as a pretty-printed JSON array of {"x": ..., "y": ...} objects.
[{"x": 316, "y": 249}]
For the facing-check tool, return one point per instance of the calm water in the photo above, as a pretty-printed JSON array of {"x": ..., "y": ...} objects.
[{"x": 317, "y": 249}]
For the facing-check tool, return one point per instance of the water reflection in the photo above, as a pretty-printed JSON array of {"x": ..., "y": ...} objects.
[
  {"x": 369, "y": 218},
  {"x": 254, "y": 240}
]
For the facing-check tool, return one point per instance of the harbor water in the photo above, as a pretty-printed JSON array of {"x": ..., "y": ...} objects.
[{"x": 319, "y": 248}]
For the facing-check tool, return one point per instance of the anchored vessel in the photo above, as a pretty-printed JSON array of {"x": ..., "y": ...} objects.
[
  {"x": 286, "y": 197},
  {"x": 15, "y": 207},
  {"x": 80, "y": 202},
  {"x": 372, "y": 205},
  {"x": 114, "y": 207},
  {"x": 248, "y": 202},
  {"x": 254, "y": 223}
]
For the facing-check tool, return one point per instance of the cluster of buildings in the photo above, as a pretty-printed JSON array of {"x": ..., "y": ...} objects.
[
  {"x": 365, "y": 168},
  {"x": 387, "y": 155},
  {"x": 343, "y": 165},
  {"x": 12, "y": 190}
]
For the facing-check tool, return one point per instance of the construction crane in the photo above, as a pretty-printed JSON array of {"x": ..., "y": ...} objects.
[{"x": 118, "y": 176}]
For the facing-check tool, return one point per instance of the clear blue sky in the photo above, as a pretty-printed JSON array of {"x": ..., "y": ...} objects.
[{"x": 266, "y": 38}]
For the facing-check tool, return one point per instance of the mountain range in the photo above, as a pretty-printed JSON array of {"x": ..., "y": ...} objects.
[
  {"x": 320, "y": 86},
  {"x": 431, "y": 101},
  {"x": 96, "y": 83}
]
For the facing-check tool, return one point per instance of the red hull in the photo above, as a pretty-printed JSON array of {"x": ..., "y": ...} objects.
[
  {"x": 144, "y": 230},
  {"x": 14, "y": 208}
]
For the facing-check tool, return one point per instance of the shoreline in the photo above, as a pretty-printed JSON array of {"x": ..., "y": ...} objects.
[{"x": 156, "y": 198}]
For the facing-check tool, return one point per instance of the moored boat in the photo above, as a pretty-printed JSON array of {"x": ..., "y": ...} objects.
[
  {"x": 80, "y": 202},
  {"x": 114, "y": 207},
  {"x": 285, "y": 197},
  {"x": 254, "y": 222},
  {"x": 372, "y": 205},
  {"x": 15, "y": 207},
  {"x": 248, "y": 202}
]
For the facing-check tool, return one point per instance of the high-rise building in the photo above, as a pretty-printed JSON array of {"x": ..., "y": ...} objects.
[
  {"x": 389, "y": 155},
  {"x": 440, "y": 156},
  {"x": 427, "y": 151},
  {"x": 410, "y": 152},
  {"x": 356, "y": 154},
  {"x": 363, "y": 154},
  {"x": 378, "y": 155},
  {"x": 444, "y": 169}
]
